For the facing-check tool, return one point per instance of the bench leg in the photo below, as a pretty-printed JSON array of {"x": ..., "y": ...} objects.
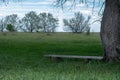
[
  {"x": 87, "y": 60},
  {"x": 56, "y": 59}
]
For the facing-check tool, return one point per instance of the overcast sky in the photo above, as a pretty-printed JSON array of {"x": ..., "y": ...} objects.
[{"x": 24, "y": 6}]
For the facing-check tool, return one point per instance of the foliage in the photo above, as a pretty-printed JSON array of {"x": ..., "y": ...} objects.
[
  {"x": 47, "y": 22},
  {"x": 2, "y": 26},
  {"x": 13, "y": 20},
  {"x": 10, "y": 28},
  {"x": 77, "y": 23},
  {"x": 29, "y": 22}
]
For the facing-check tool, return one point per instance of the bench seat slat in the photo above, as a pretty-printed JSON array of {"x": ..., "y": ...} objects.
[{"x": 75, "y": 56}]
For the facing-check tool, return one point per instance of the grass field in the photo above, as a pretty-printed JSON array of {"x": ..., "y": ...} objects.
[{"x": 21, "y": 57}]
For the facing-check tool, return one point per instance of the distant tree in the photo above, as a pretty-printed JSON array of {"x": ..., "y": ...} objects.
[
  {"x": 88, "y": 31},
  {"x": 10, "y": 28},
  {"x": 47, "y": 22},
  {"x": 13, "y": 20},
  {"x": 2, "y": 26},
  {"x": 29, "y": 22},
  {"x": 77, "y": 23}
]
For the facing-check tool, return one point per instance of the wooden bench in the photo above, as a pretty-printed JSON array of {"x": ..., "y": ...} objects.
[{"x": 87, "y": 58}]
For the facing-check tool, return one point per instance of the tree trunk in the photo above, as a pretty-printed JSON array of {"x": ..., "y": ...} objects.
[{"x": 110, "y": 31}]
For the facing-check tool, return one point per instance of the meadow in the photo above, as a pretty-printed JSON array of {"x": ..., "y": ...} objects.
[{"x": 21, "y": 57}]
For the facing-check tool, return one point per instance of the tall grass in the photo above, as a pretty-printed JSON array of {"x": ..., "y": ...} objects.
[{"x": 21, "y": 57}]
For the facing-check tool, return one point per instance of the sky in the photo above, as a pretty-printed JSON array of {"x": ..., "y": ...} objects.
[{"x": 48, "y": 6}]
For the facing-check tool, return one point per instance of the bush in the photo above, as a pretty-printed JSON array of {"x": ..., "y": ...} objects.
[{"x": 10, "y": 28}]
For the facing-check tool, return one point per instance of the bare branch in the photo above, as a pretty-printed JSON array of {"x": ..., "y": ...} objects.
[
  {"x": 93, "y": 5},
  {"x": 61, "y": 3},
  {"x": 101, "y": 8}
]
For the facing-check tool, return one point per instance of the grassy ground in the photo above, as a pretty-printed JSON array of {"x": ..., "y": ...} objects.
[{"x": 21, "y": 57}]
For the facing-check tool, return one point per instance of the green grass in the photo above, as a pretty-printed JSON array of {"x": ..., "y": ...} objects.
[{"x": 21, "y": 57}]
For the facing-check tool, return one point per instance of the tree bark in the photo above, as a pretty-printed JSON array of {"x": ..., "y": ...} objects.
[{"x": 110, "y": 31}]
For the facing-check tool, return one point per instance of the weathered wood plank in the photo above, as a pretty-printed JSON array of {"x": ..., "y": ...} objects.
[{"x": 74, "y": 56}]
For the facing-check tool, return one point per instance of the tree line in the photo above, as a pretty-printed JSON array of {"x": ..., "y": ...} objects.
[{"x": 43, "y": 22}]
